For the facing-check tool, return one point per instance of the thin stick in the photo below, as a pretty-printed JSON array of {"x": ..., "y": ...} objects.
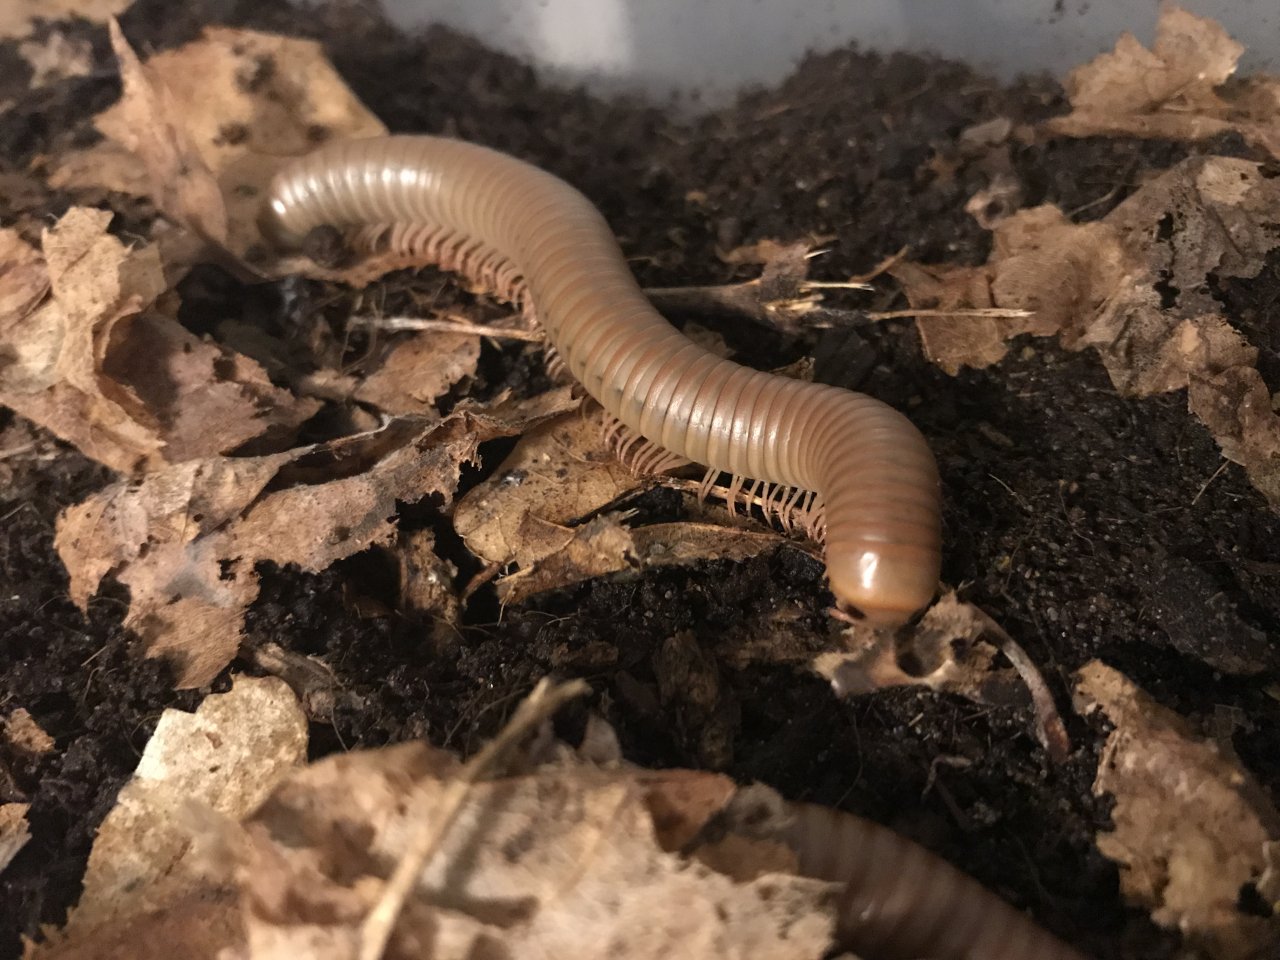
[
  {"x": 996, "y": 313},
  {"x": 436, "y": 818},
  {"x": 397, "y": 324},
  {"x": 1050, "y": 730},
  {"x": 887, "y": 263}
]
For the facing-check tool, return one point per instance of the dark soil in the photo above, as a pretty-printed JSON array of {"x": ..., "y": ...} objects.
[{"x": 1087, "y": 524}]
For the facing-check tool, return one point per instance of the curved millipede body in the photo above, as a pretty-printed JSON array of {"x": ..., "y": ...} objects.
[
  {"x": 901, "y": 902},
  {"x": 535, "y": 238}
]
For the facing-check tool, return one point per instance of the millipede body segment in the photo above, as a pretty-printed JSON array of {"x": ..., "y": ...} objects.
[{"x": 536, "y": 239}]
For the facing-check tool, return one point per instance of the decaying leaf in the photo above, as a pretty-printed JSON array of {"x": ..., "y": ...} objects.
[
  {"x": 558, "y": 856},
  {"x": 185, "y": 539},
  {"x": 56, "y": 57},
  {"x": 18, "y": 17},
  {"x": 1177, "y": 90},
  {"x": 427, "y": 583},
  {"x": 99, "y": 364},
  {"x": 1136, "y": 287},
  {"x": 1192, "y": 828},
  {"x": 227, "y": 756},
  {"x": 561, "y": 862},
  {"x": 949, "y": 650},
  {"x": 557, "y": 474},
  {"x": 14, "y": 831},
  {"x": 212, "y": 120},
  {"x": 21, "y": 734},
  {"x": 415, "y": 372},
  {"x": 146, "y": 868}
]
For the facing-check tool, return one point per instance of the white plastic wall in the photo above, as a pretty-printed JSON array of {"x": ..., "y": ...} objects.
[{"x": 715, "y": 47}]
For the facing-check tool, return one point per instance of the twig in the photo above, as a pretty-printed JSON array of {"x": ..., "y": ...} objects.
[
  {"x": 996, "y": 313},
  {"x": 397, "y": 324},
  {"x": 1050, "y": 730},
  {"x": 435, "y": 819},
  {"x": 1205, "y": 485},
  {"x": 886, "y": 264}
]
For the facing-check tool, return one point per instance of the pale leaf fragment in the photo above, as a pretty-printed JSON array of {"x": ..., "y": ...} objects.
[
  {"x": 212, "y": 120},
  {"x": 24, "y": 736},
  {"x": 1136, "y": 287},
  {"x": 1177, "y": 90},
  {"x": 565, "y": 861},
  {"x": 14, "y": 831},
  {"x": 186, "y": 539},
  {"x": 148, "y": 866},
  {"x": 1192, "y": 828},
  {"x": 18, "y": 17},
  {"x": 415, "y": 372},
  {"x": 56, "y": 58},
  {"x": 100, "y": 366}
]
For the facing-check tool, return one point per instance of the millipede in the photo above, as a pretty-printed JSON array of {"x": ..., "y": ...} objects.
[{"x": 850, "y": 470}]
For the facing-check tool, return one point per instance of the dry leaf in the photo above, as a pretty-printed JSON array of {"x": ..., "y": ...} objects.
[
  {"x": 14, "y": 831},
  {"x": 603, "y": 546},
  {"x": 563, "y": 862},
  {"x": 427, "y": 584},
  {"x": 1135, "y": 287},
  {"x": 228, "y": 756},
  {"x": 1192, "y": 828},
  {"x": 147, "y": 869},
  {"x": 56, "y": 58},
  {"x": 1173, "y": 91},
  {"x": 18, "y": 17},
  {"x": 24, "y": 736},
  {"x": 24, "y": 281},
  {"x": 186, "y": 539},
  {"x": 213, "y": 119},
  {"x": 948, "y": 652},
  {"x": 99, "y": 366},
  {"x": 557, "y": 474},
  {"x": 415, "y": 372},
  {"x": 106, "y": 165},
  {"x": 150, "y": 123}
]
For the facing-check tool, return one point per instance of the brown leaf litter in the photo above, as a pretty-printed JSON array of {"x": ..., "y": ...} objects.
[
  {"x": 1180, "y": 89},
  {"x": 144, "y": 872},
  {"x": 14, "y": 831},
  {"x": 18, "y": 17},
  {"x": 950, "y": 650},
  {"x": 541, "y": 511},
  {"x": 1192, "y": 831},
  {"x": 557, "y": 856},
  {"x": 210, "y": 122},
  {"x": 90, "y": 350},
  {"x": 186, "y": 539},
  {"x": 1137, "y": 287}
]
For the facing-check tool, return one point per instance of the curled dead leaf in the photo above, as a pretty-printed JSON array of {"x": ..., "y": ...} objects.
[
  {"x": 1136, "y": 287},
  {"x": 18, "y": 17},
  {"x": 186, "y": 539},
  {"x": 557, "y": 474},
  {"x": 211, "y": 121},
  {"x": 14, "y": 831},
  {"x": 1177, "y": 90},
  {"x": 1191, "y": 827},
  {"x": 98, "y": 364}
]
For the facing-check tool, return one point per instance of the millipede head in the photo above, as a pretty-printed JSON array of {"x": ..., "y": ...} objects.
[{"x": 884, "y": 583}]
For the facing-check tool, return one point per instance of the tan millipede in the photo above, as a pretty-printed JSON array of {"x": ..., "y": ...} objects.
[
  {"x": 901, "y": 902},
  {"x": 536, "y": 240}
]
